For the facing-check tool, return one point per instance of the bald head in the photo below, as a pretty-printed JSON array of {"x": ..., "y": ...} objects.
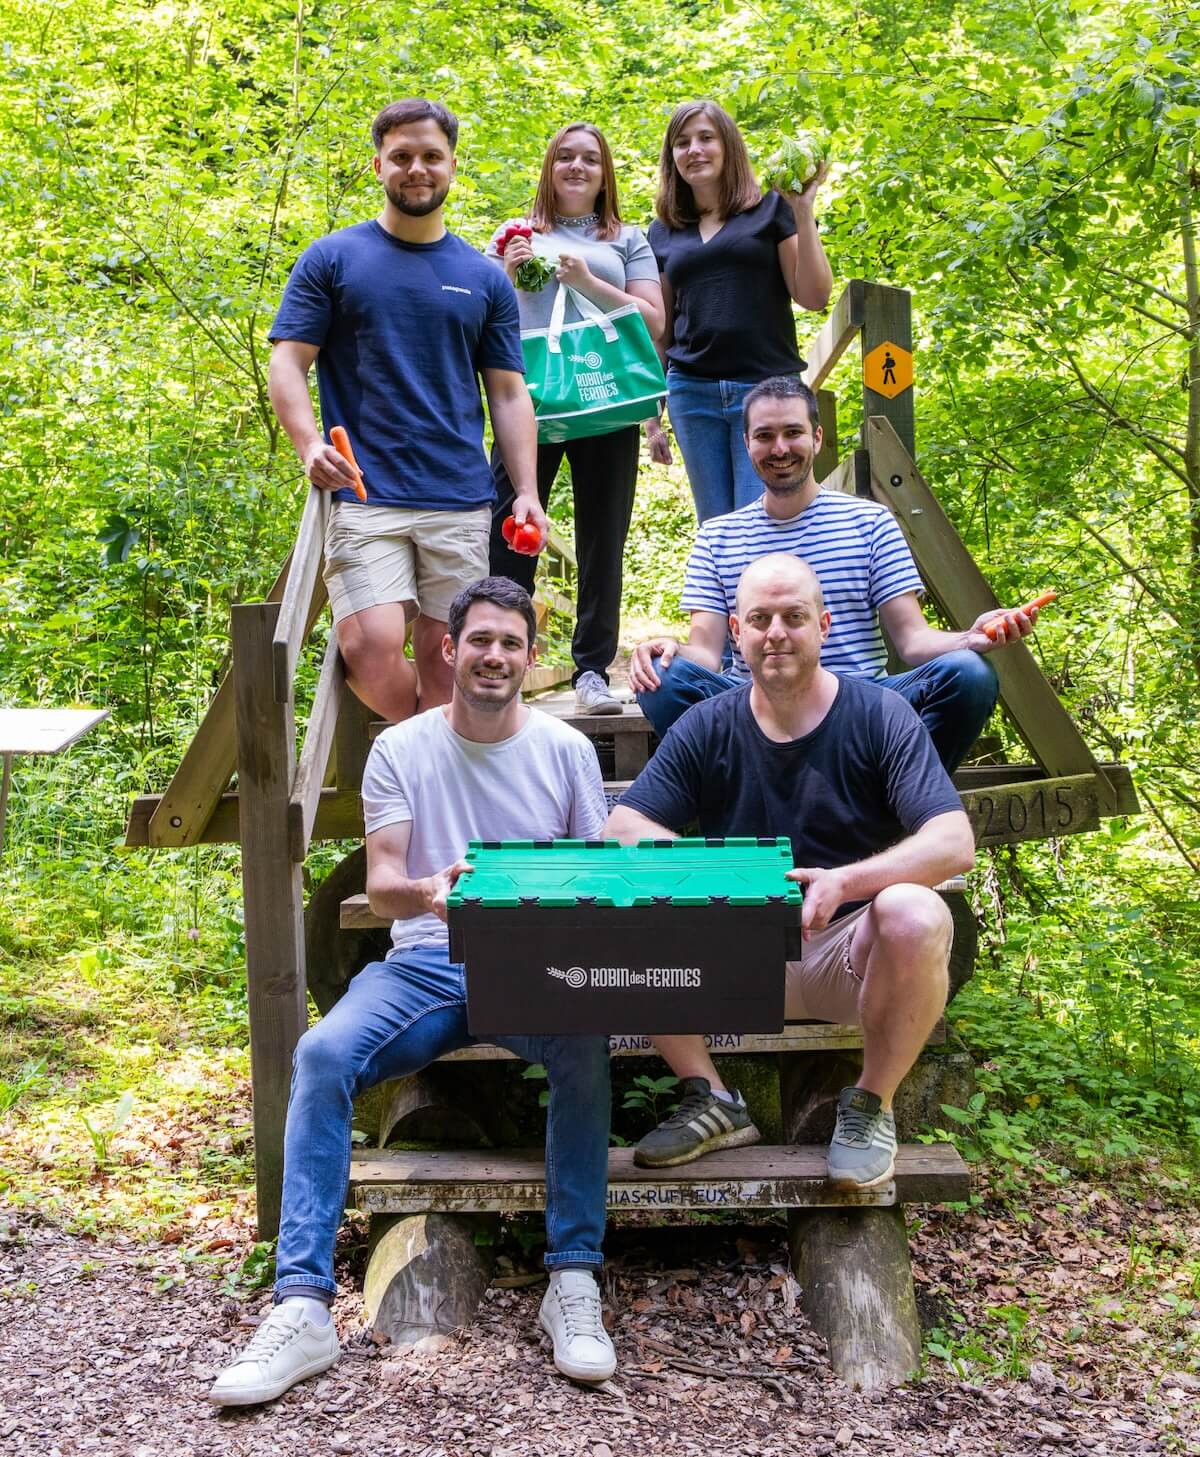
[{"x": 776, "y": 571}]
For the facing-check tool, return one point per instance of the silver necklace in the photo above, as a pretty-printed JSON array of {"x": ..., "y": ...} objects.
[{"x": 584, "y": 220}]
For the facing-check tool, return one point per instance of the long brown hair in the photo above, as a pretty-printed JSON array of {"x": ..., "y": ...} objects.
[
  {"x": 675, "y": 203},
  {"x": 541, "y": 214}
]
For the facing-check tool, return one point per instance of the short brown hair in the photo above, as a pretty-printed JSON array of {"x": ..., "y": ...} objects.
[
  {"x": 414, "y": 108},
  {"x": 500, "y": 592},
  {"x": 675, "y": 203},
  {"x": 781, "y": 387},
  {"x": 541, "y": 214}
]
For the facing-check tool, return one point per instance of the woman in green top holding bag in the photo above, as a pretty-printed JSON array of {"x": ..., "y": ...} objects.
[{"x": 575, "y": 224}]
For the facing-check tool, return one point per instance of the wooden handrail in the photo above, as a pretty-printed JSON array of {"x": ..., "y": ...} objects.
[
  {"x": 292, "y": 627},
  {"x": 836, "y": 335},
  {"x": 307, "y": 782},
  {"x": 557, "y": 543}
]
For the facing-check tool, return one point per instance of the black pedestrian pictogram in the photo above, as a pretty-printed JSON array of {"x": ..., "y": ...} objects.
[{"x": 889, "y": 369}]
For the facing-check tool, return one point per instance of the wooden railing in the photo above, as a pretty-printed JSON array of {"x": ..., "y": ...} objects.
[
  {"x": 1072, "y": 791},
  {"x": 283, "y": 801}
]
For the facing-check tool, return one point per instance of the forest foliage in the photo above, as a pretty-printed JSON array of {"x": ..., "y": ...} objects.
[{"x": 1030, "y": 171}]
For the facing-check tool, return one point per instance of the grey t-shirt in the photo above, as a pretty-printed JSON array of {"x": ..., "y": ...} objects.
[
  {"x": 541, "y": 784},
  {"x": 628, "y": 258}
]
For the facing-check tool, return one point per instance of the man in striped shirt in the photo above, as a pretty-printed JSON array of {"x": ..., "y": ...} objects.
[{"x": 867, "y": 576}]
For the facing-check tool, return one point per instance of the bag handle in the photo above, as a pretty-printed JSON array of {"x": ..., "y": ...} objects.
[{"x": 587, "y": 309}]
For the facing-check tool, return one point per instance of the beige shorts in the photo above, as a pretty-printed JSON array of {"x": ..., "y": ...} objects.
[
  {"x": 821, "y": 986},
  {"x": 423, "y": 559}
]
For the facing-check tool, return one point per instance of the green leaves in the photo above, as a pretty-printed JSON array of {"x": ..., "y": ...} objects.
[{"x": 119, "y": 537}]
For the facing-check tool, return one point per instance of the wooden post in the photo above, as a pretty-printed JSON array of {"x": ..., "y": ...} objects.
[
  {"x": 852, "y": 1264},
  {"x": 887, "y": 319},
  {"x": 855, "y": 1273},
  {"x": 426, "y": 1273},
  {"x": 827, "y": 459},
  {"x": 272, "y": 894}
]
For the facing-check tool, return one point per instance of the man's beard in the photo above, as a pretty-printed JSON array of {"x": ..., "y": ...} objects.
[
  {"x": 791, "y": 485},
  {"x": 416, "y": 209},
  {"x": 464, "y": 688}
]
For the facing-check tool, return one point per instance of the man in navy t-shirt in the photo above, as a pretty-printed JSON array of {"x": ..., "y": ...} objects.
[
  {"x": 402, "y": 317},
  {"x": 846, "y": 769}
]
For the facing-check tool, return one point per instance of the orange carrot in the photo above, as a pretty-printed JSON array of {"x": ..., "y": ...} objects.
[
  {"x": 992, "y": 628},
  {"x": 341, "y": 443}
]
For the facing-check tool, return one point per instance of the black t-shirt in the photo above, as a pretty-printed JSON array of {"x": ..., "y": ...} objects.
[
  {"x": 733, "y": 311},
  {"x": 867, "y": 776}
]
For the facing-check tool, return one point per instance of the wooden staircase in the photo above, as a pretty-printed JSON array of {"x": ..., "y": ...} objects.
[{"x": 282, "y": 801}]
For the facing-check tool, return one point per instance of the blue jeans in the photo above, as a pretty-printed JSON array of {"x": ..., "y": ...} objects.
[
  {"x": 706, "y": 415},
  {"x": 396, "y": 1017},
  {"x": 953, "y": 695}
]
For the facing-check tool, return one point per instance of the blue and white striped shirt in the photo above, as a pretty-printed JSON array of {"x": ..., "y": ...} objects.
[{"x": 856, "y": 549}]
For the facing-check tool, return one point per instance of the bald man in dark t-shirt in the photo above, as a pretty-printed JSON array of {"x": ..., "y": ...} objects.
[{"x": 846, "y": 769}]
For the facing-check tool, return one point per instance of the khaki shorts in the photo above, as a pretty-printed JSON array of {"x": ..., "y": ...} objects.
[
  {"x": 423, "y": 559},
  {"x": 820, "y": 986}
]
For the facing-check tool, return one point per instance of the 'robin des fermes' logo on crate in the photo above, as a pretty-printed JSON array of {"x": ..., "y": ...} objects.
[{"x": 653, "y": 978}]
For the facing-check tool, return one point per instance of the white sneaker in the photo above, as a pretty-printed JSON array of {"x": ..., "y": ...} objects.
[
  {"x": 592, "y": 695},
  {"x": 286, "y": 1347},
  {"x": 570, "y": 1316}
]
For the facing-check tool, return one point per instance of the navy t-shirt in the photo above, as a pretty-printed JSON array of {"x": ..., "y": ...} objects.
[
  {"x": 733, "y": 311},
  {"x": 403, "y": 329},
  {"x": 863, "y": 779}
]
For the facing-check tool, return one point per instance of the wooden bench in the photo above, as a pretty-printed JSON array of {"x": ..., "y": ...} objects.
[
  {"x": 510, "y": 1181},
  {"x": 428, "y": 1270}
]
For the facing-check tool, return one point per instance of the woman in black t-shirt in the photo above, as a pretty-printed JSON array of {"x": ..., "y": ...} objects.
[{"x": 731, "y": 260}]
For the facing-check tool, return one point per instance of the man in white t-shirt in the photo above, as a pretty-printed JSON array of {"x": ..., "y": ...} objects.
[
  {"x": 867, "y": 578},
  {"x": 484, "y": 767}
]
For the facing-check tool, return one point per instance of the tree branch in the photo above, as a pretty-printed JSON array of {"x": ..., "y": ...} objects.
[
  {"x": 1144, "y": 438},
  {"x": 1171, "y": 298}
]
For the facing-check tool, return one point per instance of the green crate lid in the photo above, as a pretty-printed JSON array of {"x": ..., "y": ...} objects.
[{"x": 686, "y": 872}]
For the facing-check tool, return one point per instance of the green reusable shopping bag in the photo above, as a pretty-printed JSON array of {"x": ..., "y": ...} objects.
[{"x": 594, "y": 376}]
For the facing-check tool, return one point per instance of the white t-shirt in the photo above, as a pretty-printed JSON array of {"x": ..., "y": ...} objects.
[{"x": 542, "y": 784}]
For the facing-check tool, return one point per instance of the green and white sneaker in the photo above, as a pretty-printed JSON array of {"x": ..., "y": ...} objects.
[
  {"x": 863, "y": 1151},
  {"x": 701, "y": 1123}
]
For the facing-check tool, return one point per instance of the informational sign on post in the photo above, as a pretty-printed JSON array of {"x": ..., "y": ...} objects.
[{"x": 888, "y": 370}]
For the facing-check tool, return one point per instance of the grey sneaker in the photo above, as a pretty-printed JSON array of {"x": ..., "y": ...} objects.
[
  {"x": 863, "y": 1151},
  {"x": 572, "y": 1318},
  {"x": 287, "y": 1346},
  {"x": 592, "y": 695},
  {"x": 701, "y": 1123}
]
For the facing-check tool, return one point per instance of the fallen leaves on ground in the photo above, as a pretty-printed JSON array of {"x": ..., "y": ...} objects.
[{"x": 108, "y": 1346}]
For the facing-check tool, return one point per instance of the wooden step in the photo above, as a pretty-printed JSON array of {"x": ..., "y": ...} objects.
[
  {"x": 401, "y": 1181},
  {"x": 795, "y": 1037},
  {"x": 624, "y": 741},
  {"x": 630, "y": 720}
]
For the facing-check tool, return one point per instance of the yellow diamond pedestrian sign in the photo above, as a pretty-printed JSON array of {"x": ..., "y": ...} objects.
[{"x": 887, "y": 370}]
